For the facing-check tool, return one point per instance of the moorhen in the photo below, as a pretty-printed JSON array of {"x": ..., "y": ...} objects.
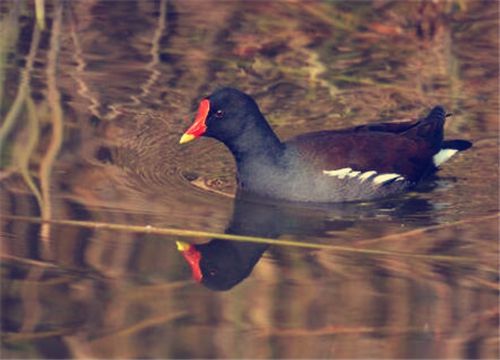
[{"x": 359, "y": 163}]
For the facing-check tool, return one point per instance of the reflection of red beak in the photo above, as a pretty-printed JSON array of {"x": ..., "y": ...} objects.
[
  {"x": 199, "y": 127},
  {"x": 193, "y": 257}
]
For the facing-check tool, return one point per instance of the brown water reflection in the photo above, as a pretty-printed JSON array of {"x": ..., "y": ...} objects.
[{"x": 92, "y": 108}]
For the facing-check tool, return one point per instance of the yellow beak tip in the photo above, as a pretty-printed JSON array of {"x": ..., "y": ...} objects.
[
  {"x": 186, "y": 138},
  {"x": 182, "y": 246}
]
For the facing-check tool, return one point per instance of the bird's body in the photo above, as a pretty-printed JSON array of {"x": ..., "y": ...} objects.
[{"x": 360, "y": 163}]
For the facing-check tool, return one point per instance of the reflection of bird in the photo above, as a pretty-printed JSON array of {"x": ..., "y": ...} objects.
[
  {"x": 222, "y": 264},
  {"x": 359, "y": 163}
]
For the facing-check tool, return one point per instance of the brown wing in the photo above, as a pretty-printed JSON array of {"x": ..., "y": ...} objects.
[
  {"x": 405, "y": 148},
  {"x": 383, "y": 152},
  {"x": 385, "y": 127}
]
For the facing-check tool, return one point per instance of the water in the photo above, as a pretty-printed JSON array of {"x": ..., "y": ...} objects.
[{"x": 109, "y": 87}]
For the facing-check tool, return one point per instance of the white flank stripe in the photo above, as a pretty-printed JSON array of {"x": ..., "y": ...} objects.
[
  {"x": 340, "y": 173},
  {"x": 385, "y": 177},
  {"x": 366, "y": 175},
  {"x": 443, "y": 155},
  {"x": 350, "y": 173}
]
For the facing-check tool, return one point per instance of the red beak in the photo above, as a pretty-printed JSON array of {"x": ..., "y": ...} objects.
[
  {"x": 199, "y": 127},
  {"x": 193, "y": 257}
]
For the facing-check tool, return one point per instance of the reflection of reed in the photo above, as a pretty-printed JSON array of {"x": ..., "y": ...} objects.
[
  {"x": 9, "y": 29},
  {"x": 23, "y": 98},
  {"x": 54, "y": 99},
  {"x": 29, "y": 290},
  {"x": 26, "y": 261},
  {"x": 155, "y": 53},
  {"x": 27, "y": 150},
  {"x": 139, "y": 326},
  {"x": 30, "y": 299},
  {"x": 22, "y": 91},
  {"x": 24, "y": 336},
  {"x": 87, "y": 93},
  {"x": 83, "y": 90}
]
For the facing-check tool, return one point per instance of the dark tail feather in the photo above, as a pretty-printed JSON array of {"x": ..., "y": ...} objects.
[
  {"x": 431, "y": 128},
  {"x": 459, "y": 145},
  {"x": 436, "y": 114}
]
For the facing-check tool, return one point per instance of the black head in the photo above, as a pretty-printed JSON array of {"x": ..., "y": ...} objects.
[
  {"x": 220, "y": 264},
  {"x": 224, "y": 115}
]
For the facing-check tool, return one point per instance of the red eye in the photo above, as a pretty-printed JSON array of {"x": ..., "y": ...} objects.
[{"x": 219, "y": 113}]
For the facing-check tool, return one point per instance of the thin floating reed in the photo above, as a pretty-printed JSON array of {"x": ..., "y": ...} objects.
[
  {"x": 40, "y": 13},
  {"x": 182, "y": 233}
]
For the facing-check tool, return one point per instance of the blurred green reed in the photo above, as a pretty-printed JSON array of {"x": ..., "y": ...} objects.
[
  {"x": 40, "y": 13},
  {"x": 20, "y": 129}
]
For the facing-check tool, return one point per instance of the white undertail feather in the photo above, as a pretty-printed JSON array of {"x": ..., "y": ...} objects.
[{"x": 443, "y": 155}]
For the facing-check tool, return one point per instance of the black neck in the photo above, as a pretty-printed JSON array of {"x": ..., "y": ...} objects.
[{"x": 257, "y": 141}]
